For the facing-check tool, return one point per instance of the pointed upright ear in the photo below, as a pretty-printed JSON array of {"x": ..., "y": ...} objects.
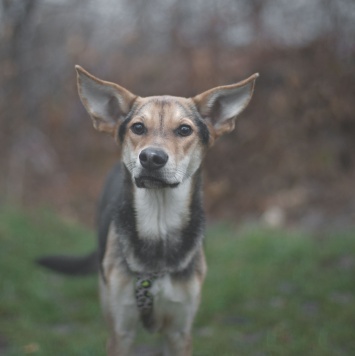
[
  {"x": 221, "y": 105},
  {"x": 107, "y": 103}
]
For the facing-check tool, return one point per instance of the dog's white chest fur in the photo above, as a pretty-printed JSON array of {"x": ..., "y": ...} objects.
[{"x": 161, "y": 212}]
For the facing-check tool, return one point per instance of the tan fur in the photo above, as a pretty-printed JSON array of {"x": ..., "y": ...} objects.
[{"x": 153, "y": 113}]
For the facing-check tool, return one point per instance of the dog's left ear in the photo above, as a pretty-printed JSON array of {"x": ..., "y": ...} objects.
[
  {"x": 221, "y": 105},
  {"x": 107, "y": 103}
]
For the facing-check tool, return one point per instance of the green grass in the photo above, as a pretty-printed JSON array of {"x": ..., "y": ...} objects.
[{"x": 267, "y": 292}]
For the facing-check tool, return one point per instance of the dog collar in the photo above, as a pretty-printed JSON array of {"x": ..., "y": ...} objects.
[{"x": 144, "y": 297}]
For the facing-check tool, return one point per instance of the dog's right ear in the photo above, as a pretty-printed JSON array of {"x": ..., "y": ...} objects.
[{"x": 107, "y": 103}]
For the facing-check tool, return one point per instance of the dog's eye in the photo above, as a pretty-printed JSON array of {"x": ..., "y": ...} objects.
[
  {"x": 184, "y": 130},
  {"x": 138, "y": 128}
]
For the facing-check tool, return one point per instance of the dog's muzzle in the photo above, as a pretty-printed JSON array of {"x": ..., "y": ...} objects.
[{"x": 152, "y": 159}]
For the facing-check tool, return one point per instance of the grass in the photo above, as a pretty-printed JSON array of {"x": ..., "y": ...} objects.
[{"x": 267, "y": 292}]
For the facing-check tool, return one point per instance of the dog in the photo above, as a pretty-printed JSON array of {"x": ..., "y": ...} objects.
[{"x": 150, "y": 219}]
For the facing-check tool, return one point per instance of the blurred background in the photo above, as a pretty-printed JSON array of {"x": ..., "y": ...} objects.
[
  {"x": 289, "y": 165},
  {"x": 291, "y": 159}
]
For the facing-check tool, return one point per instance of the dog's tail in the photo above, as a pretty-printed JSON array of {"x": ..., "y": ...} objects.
[{"x": 71, "y": 265}]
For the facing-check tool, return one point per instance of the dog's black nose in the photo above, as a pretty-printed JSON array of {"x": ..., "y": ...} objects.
[{"x": 153, "y": 158}]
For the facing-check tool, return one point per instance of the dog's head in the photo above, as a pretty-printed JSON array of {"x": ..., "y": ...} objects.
[{"x": 163, "y": 138}]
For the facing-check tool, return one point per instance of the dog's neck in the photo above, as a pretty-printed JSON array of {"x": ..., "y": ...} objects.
[
  {"x": 161, "y": 229},
  {"x": 160, "y": 213}
]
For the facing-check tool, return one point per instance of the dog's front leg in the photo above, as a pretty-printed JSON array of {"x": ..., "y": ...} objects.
[
  {"x": 178, "y": 344},
  {"x": 120, "y": 311},
  {"x": 120, "y": 344},
  {"x": 179, "y": 316}
]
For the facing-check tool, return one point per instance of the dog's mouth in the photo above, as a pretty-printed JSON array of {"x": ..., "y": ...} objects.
[{"x": 150, "y": 182}]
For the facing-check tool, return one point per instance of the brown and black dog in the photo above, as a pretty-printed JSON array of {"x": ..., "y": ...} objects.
[{"x": 151, "y": 218}]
